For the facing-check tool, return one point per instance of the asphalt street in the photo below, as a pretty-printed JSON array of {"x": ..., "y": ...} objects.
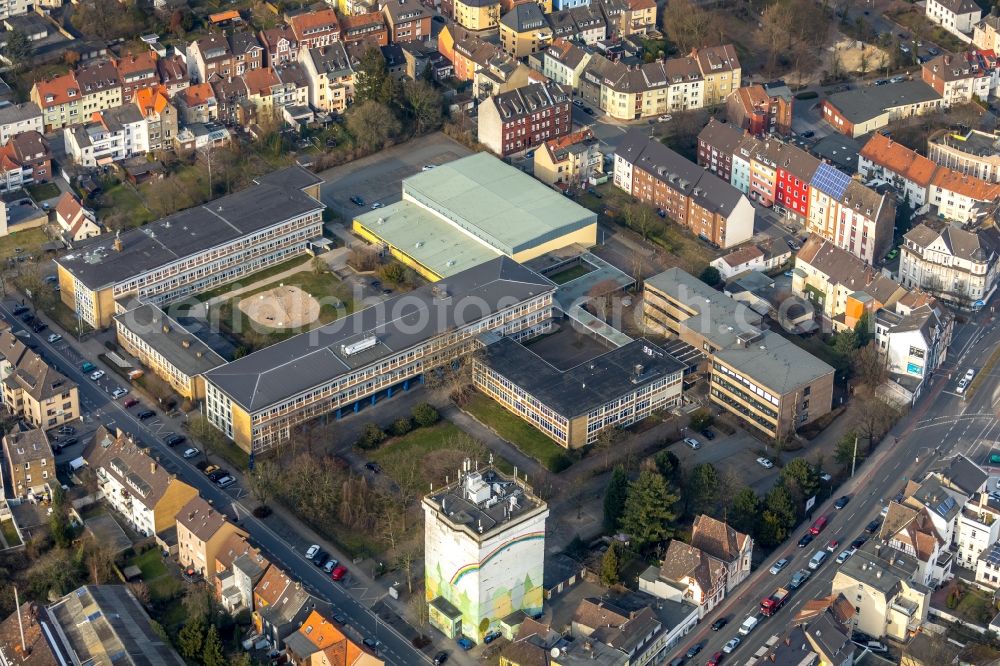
[
  {"x": 96, "y": 402},
  {"x": 940, "y": 426}
]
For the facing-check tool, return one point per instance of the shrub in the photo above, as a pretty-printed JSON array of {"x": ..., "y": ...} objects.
[
  {"x": 401, "y": 426},
  {"x": 809, "y": 94},
  {"x": 425, "y": 415},
  {"x": 371, "y": 436},
  {"x": 262, "y": 511}
]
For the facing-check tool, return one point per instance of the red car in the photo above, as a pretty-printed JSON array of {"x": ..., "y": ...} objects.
[
  {"x": 715, "y": 660},
  {"x": 339, "y": 572},
  {"x": 130, "y": 402}
]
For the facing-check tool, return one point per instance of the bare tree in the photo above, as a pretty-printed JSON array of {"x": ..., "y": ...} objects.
[
  {"x": 263, "y": 480},
  {"x": 640, "y": 218},
  {"x": 870, "y": 366}
]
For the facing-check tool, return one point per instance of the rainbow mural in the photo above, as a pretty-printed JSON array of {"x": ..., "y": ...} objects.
[{"x": 475, "y": 566}]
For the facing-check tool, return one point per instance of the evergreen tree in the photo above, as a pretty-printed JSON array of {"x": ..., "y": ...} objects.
[
  {"x": 649, "y": 509},
  {"x": 191, "y": 638},
  {"x": 614, "y": 498},
  {"x": 779, "y": 503},
  {"x": 746, "y": 511},
  {"x": 372, "y": 80},
  {"x": 668, "y": 465},
  {"x": 702, "y": 488},
  {"x": 772, "y": 530},
  {"x": 609, "y": 566},
  {"x": 213, "y": 655}
]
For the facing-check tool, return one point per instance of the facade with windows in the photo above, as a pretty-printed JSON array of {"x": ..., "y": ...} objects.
[
  {"x": 374, "y": 353},
  {"x": 572, "y": 407},
  {"x": 196, "y": 249},
  {"x": 30, "y": 461},
  {"x": 956, "y": 264},
  {"x": 31, "y": 389}
]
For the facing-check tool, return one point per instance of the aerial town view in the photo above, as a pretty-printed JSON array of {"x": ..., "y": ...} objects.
[{"x": 499, "y": 332}]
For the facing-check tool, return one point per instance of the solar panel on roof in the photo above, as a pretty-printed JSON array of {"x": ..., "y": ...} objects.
[
  {"x": 993, "y": 556},
  {"x": 830, "y": 180}
]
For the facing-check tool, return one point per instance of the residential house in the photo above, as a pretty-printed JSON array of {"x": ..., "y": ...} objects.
[
  {"x": 967, "y": 151},
  {"x": 226, "y": 590},
  {"x": 687, "y": 574},
  {"x": 31, "y": 465},
  {"x": 524, "y": 118},
  {"x": 639, "y": 17},
  {"x": 197, "y": 104},
  {"x": 246, "y": 52},
  {"x": 634, "y": 629},
  {"x": 857, "y": 218},
  {"x": 960, "y": 78},
  {"x": 870, "y": 108},
  {"x": 879, "y": 582},
  {"x": 760, "y": 111},
  {"x": 173, "y": 73},
  {"x": 467, "y": 52},
  {"x": 707, "y": 205},
  {"x": 764, "y": 256},
  {"x": 563, "y": 62},
  {"x": 477, "y": 15},
  {"x": 76, "y": 222},
  {"x": 734, "y": 549},
  {"x": 293, "y": 89},
  {"x": 956, "y": 16},
  {"x": 60, "y": 101},
  {"x": 315, "y": 28},
  {"x": 943, "y": 503},
  {"x": 988, "y": 567},
  {"x": 264, "y": 88},
  {"x": 18, "y": 118},
  {"x": 986, "y": 33},
  {"x": 331, "y": 78},
  {"x": 960, "y": 197},
  {"x": 100, "y": 85},
  {"x": 232, "y": 97},
  {"x": 280, "y": 606},
  {"x": 247, "y": 570},
  {"x": 160, "y": 117},
  {"x": 569, "y": 161},
  {"x": 884, "y": 160},
  {"x": 718, "y": 145},
  {"x": 956, "y": 264},
  {"x": 143, "y": 491},
  {"x": 25, "y": 159},
  {"x": 914, "y": 335},
  {"x": 581, "y": 24},
  {"x": 202, "y": 531},
  {"x": 978, "y": 528},
  {"x": 408, "y": 20},
  {"x": 721, "y": 70},
  {"x": 524, "y": 30},
  {"x": 319, "y": 641},
  {"x": 137, "y": 71},
  {"x": 368, "y": 28},
  {"x": 280, "y": 45},
  {"x": 31, "y": 389},
  {"x": 911, "y": 531},
  {"x": 208, "y": 57},
  {"x": 110, "y": 136},
  {"x": 756, "y": 375}
]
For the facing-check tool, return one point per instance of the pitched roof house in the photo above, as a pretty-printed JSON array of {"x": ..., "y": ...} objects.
[
  {"x": 202, "y": 531},
  {"x": 732, "y": 548},
  {"x": 77, "y": 223},
  {"x": 688, "y": 574}
]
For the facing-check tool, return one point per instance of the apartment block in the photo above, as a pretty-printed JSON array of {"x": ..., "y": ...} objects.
[
  {"x": 755, "y": 374},
  {"x": 970, "y": 152},
  {"x": 956, "y": 16},
  {"x": 331, "y": 77},
  {"x": 477, "y": 14},
  {"x": 269, "y": 222},
  {"x": 707, "y": 205},
  {"x": 867, "y": 109},
  {"x": 615, "y": 389},
  {"x": 112, "y": 135},
  {"x": 761, "y": 109},
  {"x": 60, "y": 100},
  {"x": 497, "y": 524},
  {"x": 31, "y": 465},
  {"x": 137, "y": 71},
  {"x": 570, "y": 161},
  {"x": 25, "y": 159},
  {"x": 33, "y": 390},
  {"x": 524, "y": 118},
  {"x": 315, "y": 28},
  {"x": 144, "y": 492},
  {"x": 408, "y": 21},
  {"x": 962, "y": 77},
  {"x": 524, "y": 30},
  {"x": 563, "y": 62},
  {"x": 202, "y": 530},
  {"x": 957, "y": 264},
  {"x": 18, "y": 118}
]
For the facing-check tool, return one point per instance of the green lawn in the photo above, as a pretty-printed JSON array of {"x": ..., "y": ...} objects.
[
  {"x": 9, "y": 533},
  {"x": 43, "y": 191},
  {"x": 151, "y": 564},
  {"x": 66, "y": 318},
  {"x": 518, "y": 432},
  {"x": 571, "y": 273},
  {"x": 123, "y": 199},
  {"x": 254, "y": 277},
  {"x": 975, "y": 606},
  {"x": 29, "y": 240},
  {"x": 164, "y": 588}
]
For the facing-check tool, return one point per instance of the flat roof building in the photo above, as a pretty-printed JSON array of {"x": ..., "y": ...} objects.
[
  {"x": 195, "y": 249},
  {"x": 484, "y": 538},
  {"x": 371, "y": 353},
  {"x": 756, "y": 374},
  {"x": 472, "y": 209},
  {"x": 573, "y": 406}
]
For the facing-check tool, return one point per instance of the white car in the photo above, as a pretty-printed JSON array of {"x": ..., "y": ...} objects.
[
  {"x": 191, "y": 453},
  {"x": 843, "y": 557},
  {"x": 377, "y": 205},
  {"x": 225, "y": 482},
  {"x": 119, "y": 392},
  {"x": 428, "y": 167},
  {"x": 733, "y": 643},
  {"x": 765, "y": 463},
  {"x": 778, "y": 566},
  {"x": 55, "y": 337},
  {"x": 311, "y": 551},
  {"x": 96, "y": 374},
  {"x": 665, "y": 119},
  {"x": 692, "y": 442}
]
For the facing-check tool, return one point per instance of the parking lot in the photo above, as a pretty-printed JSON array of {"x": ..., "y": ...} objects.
[{"x": 377, "y": 178}]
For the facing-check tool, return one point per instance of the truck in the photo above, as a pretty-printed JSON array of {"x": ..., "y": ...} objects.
[{"x": 773, "y": 603}]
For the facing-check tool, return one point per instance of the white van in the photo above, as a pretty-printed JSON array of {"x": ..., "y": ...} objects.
[
  {"x": 748, "y": 625},
  {"x": 817, "y": 559}
]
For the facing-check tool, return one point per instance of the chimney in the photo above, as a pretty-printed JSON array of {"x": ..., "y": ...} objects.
[
  {"x": 118, "y": 244},
  {"x": 165, "y": 328},
  {"x": 185, "y": 343},
  {"x": 152, "y": 467}
]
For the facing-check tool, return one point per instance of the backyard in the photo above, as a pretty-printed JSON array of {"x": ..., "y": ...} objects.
[
  {"x": 43, "y": 191},
  {"x": 9, "y": 533},
  {"x": 29, "y": 240},
  {"x": 529, "y": 439}
]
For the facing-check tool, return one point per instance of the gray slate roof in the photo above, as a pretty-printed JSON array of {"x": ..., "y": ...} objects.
[{"x": 864, "y": 104}]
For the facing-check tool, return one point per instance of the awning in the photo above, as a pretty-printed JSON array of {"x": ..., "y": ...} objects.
[{"x": 104, "y": 161}]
